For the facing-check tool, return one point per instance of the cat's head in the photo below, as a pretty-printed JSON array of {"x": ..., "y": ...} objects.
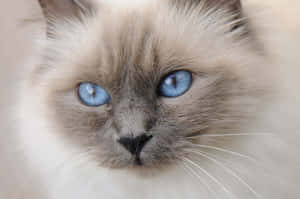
[{"x": 135, "y": 83}]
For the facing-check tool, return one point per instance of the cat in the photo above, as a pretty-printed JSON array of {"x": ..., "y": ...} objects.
[{"x": 156, "y": 99}]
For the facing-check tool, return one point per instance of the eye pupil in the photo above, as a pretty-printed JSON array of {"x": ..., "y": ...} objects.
[
  {"x": 175, "y": 84},
  {"x": 174, "y": 81}
]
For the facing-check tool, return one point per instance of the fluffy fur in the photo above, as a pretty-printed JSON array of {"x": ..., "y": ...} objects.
[{"x": 233, "y": 135}]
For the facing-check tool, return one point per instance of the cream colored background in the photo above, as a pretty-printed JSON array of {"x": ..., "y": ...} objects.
[
  {"x": 15, "y": 41},
  {"x": 15, "y": 44}
]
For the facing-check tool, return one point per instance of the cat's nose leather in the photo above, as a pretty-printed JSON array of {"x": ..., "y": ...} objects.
[{"x": 135, "y": 144}]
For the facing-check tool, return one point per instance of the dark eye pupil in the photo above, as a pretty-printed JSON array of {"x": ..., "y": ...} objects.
[{"x": 174, "y": 81}]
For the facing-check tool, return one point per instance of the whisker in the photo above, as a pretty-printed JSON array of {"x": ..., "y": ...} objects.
[
  {"x": 230, "y": 171},
  {"x": 210, "y": 176},
  {"x": 193, "y": 173},
  {"x": 61, "y": 164},
  {"x": 77, "y": 157},
  {"x": 225, "y": 151},
  {"x": 230, "y": 135}
]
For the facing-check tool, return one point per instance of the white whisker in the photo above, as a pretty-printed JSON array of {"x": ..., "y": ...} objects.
[
  {"x": 225, "y": 151},
  {"x": 193, "y": 173},
  {"x": 210, "y": 176},
  {"x": 230, "y": 171},
  {"x": 79, "y": 157},
  {"x": 230, "y": 135}
]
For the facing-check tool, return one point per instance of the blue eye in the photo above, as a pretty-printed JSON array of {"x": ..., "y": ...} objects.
[
  {"x": 176, "y": 84},
  {"x": 93, "y": 95}
]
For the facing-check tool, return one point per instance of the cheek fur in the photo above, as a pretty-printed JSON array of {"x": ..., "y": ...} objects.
[
  {"x": 76, "y": 121},
  {"x": 215, "y": 102}
]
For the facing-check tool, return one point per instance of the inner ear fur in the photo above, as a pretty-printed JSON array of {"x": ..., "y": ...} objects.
[
  {"x": 62, "y": 9},
  {"x": 65, "y": 8},
  {"x": 234, "y": 6}
]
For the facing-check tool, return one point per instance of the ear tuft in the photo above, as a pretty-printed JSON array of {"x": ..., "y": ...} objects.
[{"x": 232, "y": 7}]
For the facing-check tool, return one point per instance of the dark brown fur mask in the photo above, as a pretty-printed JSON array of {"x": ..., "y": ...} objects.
[{"x": 128, "y": 51}]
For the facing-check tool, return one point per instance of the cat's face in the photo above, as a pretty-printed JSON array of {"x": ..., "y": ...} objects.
[{"x": 131, "y": 53}]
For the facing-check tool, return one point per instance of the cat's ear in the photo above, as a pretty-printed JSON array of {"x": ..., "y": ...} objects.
[{"x": 65, "y": 9}]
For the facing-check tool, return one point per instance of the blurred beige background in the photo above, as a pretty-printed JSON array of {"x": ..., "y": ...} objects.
[
  {"x": 15, "y": 42},
  {"x": 15, "y": 45}
]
